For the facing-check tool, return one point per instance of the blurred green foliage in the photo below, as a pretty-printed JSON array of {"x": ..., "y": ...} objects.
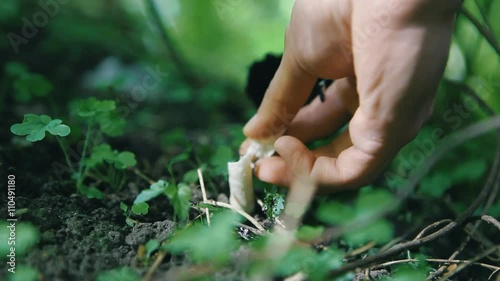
[{"x": 106, "y": 66}]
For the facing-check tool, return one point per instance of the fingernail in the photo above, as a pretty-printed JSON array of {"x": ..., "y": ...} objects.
[{"x": 250, "y": 123}]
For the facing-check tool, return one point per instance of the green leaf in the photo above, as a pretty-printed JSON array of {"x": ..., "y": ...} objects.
[
  {"x": 130, "y": 222},
  {"x": 103, "y": 152},
  {"x": 214, "y": 244},
  {"x": 123, "y": 207},
  {"x": 222, "y": 155},
  {"x": 309, "y": 233},
  {"x": 274, "y": 202},
  {"x": 174, "y": 137},
  {"x": 296, "y": 259},
  {"x": 111, "y": 123},
  {"x": 91, "y": 192},
  {"x": 380, "y": 231},
  {"x": 191, "y": 176},
  {"x": 435, "y": 185},
  {"x": 408, "y": 273},
  {"x": 119, "y": 274},
  {"x": 91, "y": 106},
  {"x": 151, "y": 246},
  {"x": 140, "y": 208},
  {"x": 184, "y": 156},
  {"x": 154, "y": 190},
  {"x": 27, "y": 236},
  {"x": 125, "y": 159},
  {"x": 335, "y": 213},
  {"x": 24, "y": 273},
  {"x": 28, "y": 85},
  {"x": 14, "y": 68},
  {"x": 34, "y": 127},
  {"x": 326, "y": 261},
  {"x": 371, "y": 201},
  {"x": 469, "y": 170},
  {"x": 181, "y": 201}
]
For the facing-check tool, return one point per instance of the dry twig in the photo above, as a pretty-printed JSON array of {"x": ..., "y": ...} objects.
[
  {"x": 241, "y": 212},
  {"x": 492, "y": 220},
  {"x": 204, "y": 194}
]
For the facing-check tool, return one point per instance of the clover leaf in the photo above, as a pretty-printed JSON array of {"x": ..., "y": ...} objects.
[
  {"x": 91, "y": 192},
  {"x": 34, "y": 127},
  {"x": 120, "y": 160},
  {"x": 111, "y": 123},
  {"x": 31, "y": 84},
  {"x": 15, "y": 69},
  {"x": 91, "y": 106},
  {"x": 103, "y": 113},
  {"x": 140, "y": 208}
]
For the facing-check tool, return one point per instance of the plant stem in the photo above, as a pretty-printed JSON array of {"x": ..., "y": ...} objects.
[
  {"x": 66, "y": 155},
  {"x": 486, "y": 32},
  {"x": 142, "y": 175},
  {"x": 82, "y": 158},
  {"x": 186, "y": 73}
]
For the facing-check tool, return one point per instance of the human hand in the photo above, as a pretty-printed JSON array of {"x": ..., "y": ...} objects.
[{"x": 387, "y": 58}]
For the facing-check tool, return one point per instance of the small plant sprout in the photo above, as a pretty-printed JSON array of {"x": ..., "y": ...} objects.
[
  {"x": 240, "y": 174},
  {"x": 99, "y": 162},
  {"x": 34, "y": 127},
  {"x": 178, "y": 194}
]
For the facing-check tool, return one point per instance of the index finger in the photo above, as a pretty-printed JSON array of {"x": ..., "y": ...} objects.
[{"x": 286, "y": 94}]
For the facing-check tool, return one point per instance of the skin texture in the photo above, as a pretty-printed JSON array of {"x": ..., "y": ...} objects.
[{"x": 386, "y": 56}]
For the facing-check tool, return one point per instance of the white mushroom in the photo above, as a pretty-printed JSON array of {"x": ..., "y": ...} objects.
[{"x": 240, "y": 174}]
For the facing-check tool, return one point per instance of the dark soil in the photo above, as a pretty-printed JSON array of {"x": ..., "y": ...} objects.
[{"x": 79, "y": 237}]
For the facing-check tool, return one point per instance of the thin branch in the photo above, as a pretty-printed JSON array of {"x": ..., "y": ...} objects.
[
  {"x": 434, "y": 225},
  {"x": 453, "y": 141},
  {"x": 492, "y": 220},
  {"x": 492, "y": 177},
  {"x": 241, "y": 212},
  {"x": 467, "y": 263},
  {"x": 487, "y": 34},
  {"x": 204, "y": 194},
  {"x": 159, "y": 259},
  {"x": 491, "y": 187},
  {"x": 142, "y": 175},
  {"x": 360, "y": 250},
  {"x": 389, "y": 263}
]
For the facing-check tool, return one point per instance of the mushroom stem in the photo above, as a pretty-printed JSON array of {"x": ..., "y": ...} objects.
[{"x": 240, "y": 174}]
